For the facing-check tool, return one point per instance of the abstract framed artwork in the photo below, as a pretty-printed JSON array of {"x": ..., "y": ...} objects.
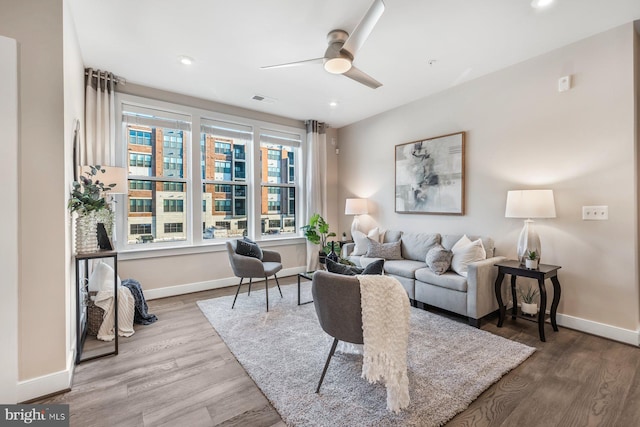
[{"x": 430, "y": 176}]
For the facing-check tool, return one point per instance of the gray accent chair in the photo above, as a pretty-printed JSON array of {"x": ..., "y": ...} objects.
[
  {"x": 337, "y": 302},
  {"x": 253, "y": 268}
]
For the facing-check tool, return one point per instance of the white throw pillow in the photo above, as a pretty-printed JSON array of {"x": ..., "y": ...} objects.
[
  {"x": 101, "y": 278},
  {"x": 465, "y": 252},
  {"x": 362, "y": 240}
]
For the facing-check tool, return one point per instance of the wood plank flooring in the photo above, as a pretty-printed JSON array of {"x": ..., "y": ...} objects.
[{"x": 179, "y": 372}]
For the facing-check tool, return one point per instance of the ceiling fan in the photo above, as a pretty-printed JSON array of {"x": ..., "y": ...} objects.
[{"x": 339, "y": 56}]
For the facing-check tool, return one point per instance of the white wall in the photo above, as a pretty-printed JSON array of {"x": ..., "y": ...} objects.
[
  {"x": 73, "y": 111},
  {"x": 522, "y": 133},
  {"x": 42, "y": 309},
  {"x": 9, "y": 223}
]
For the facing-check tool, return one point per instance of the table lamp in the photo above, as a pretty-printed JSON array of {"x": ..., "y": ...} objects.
[
  {"x": 529, "y": 204},
  {"x": 355, "y": 207}
]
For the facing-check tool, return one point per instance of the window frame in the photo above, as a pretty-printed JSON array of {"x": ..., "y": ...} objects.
[{"x": 193, "y": 182}]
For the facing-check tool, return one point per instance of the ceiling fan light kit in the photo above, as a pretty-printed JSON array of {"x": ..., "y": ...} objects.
[{"x": 339, "y": 56}]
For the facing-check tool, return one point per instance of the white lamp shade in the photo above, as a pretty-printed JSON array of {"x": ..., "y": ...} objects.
[
  {"x": 355, "y": 207},
  {"x": 530, "y": 204},
  {"x": 111, "y": 175}
]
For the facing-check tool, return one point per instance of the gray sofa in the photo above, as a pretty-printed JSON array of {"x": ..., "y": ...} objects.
[{"x": 472, "y": 296}]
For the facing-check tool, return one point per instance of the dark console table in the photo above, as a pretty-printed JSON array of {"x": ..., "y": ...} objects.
[
  {"x": 82, "y": 293},
  {"x": 543, "y": 272}
]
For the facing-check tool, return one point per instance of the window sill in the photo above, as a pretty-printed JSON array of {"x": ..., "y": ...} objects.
[{"x": 218, "y": 246}]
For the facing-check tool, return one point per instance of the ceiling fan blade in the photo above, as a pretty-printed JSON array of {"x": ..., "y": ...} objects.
[
  {"x": 362, "y": 77},
  {"x": 360, "y": 34},
  {"x": 295, "y": 64}
]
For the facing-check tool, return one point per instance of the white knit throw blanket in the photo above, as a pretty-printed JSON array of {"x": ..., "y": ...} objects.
[
  {"x": 385, "y": 327},
  {"x": 126, "y": 307}
]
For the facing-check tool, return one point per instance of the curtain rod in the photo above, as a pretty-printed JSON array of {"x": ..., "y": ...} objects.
[{"x": 116, "y": 79}]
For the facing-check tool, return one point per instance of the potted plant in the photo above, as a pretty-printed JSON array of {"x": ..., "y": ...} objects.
[
  {"x": 87, "y": 200},
  {"x": 528, "y": 305},
  {"x": 317, "y": 232},
  {"x": 531, "y": 261}
]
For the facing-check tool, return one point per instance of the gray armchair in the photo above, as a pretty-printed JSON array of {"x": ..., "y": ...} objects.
[
  {"x": 252, "y": 268},
  {"x": 337, "y": 301}
]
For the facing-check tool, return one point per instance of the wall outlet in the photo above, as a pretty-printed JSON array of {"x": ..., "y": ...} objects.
[{"x": 596, "y": 213}]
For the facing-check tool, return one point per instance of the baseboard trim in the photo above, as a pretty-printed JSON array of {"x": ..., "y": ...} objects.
[
  {"x": 46, "y": 385},
  {"x": 188, "y": 288},
  {"x": 614, "y": 333}
]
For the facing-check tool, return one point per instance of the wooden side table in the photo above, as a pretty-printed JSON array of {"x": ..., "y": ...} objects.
[{"x": 543, "y": 272}]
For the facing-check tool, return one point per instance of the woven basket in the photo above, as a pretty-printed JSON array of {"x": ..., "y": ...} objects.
[{"x": 94, "y": 316}]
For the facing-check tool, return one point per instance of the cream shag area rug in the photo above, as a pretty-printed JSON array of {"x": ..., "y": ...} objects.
[{"x": 449, "y": 363}]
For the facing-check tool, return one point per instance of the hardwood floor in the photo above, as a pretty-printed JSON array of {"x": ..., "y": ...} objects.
[{"x": 179, "y": 372}]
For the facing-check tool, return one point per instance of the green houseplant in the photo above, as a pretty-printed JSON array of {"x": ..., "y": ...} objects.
[
  {"x": 531, "y": 260},
  {"x": 317, "y": 232},
  {"x": 528, "y": 305}
]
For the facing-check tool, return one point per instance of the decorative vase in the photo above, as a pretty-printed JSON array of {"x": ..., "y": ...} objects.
[
  {"x": 333, "y": 256},
  {"x": 531, "y": 309},
  {"x": 531, "y": 264},
  {"x": 528, "y": 241},
  {"x": 86, "y": 233}
]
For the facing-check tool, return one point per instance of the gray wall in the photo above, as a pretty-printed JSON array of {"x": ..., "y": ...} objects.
[{"x": 522, "y": 133}]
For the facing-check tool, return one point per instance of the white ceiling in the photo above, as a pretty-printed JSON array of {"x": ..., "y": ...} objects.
[{"x": 141, "y": 40}]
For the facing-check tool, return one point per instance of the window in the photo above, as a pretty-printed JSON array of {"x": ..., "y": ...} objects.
[
  {"x": 173, "y": 205},
  {"x": 279, "y": 189},
  {"x": 173, "y": 186},
  {"x": 140, "y": 229},
  {"x": 139, "y": 137},
  {"x": 136, "y": 184},
  {"x": 157, "y": 173},
  {"x": 140, "y": 205},
  {"x": 173, "y": 227},
  {"x": 245, "y": 175},
  {"x": 224, "y": 145}
]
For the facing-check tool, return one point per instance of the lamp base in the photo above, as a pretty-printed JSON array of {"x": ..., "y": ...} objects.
[{"x": 528, "y": 241}]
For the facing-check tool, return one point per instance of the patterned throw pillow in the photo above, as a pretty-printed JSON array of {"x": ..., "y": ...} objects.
[
  {"x": 439, "y": 259},
  {"x": 384, "y": 250},
  {"x": 248, "y": 247}
]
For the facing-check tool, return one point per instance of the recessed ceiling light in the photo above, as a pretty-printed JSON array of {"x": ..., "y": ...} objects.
[
  {"x": 539, "y": 4},
  {"x": 185, "y": 60},
  {"x": 333, "y": 104}
]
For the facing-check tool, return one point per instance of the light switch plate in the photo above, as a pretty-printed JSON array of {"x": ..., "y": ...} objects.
[{"x": 595, "y": 213}]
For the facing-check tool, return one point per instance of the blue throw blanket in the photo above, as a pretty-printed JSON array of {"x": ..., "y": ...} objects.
[{"x": 141, "y": 316}]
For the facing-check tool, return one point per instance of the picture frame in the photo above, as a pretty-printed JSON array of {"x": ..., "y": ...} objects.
[
  {"x": 429, "y": 176},
  {"x": 104, "y": 242}
]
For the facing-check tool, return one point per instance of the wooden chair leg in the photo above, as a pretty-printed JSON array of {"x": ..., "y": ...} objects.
[
  {"x": 326, "y": 365},
  {"x": 238, "y": 290}
]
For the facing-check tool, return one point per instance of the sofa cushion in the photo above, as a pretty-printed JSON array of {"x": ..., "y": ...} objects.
[
  {"x": 392, "y": 236},
  {"x": 404, "y": 268},
  {"x": 449, "y": 280},
  {"x": 375, "y": 267},
  {"x": 439, "y": 259},
  {"x": 384, "y": 250},
  {"x": 416, "y": 245},
  {"x": 464, "y": 252},
  {"x": 448, "y": 240}
]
